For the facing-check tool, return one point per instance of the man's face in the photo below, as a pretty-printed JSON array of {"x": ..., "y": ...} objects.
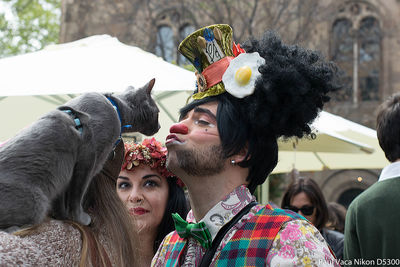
[{"x": 194, "y": 145}]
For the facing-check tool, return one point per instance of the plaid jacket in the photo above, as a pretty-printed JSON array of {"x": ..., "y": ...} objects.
[{"x": 249, "y": 246}]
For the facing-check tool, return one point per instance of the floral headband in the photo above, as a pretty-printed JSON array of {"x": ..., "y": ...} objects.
[{"x": 151, "y": 153}]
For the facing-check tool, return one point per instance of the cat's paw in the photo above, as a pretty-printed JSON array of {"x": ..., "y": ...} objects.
[{"x": 84, "y": 218}]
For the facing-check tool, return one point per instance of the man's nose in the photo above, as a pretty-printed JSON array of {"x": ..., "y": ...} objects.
[{"x": 179, "y": 128}]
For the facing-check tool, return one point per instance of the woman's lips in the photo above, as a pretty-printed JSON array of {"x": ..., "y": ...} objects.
[{"x": 138, "y": 211}]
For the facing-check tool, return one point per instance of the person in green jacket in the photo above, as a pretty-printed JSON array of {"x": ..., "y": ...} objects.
[{"x": 371, "y": 233}]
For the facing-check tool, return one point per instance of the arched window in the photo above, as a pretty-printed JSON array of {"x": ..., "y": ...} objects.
[
  {"x": 165, "y": 45},
  {"x": 348, "y": 196},
  {"x": 184, "y": 31},
  {"x": 342, "y": 53},
  {"x": 356, "y": 47},
  {"x": 370, "y": 58}
]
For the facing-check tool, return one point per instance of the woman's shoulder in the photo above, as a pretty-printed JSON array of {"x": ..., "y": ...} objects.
[
  {"x": 53, "y": 243},
  {"x": 55, "y": 226},
  {"x": 332, "y": 235},
  {"x": 57, "y": 235},
  {"x": 335, "y": 240}
]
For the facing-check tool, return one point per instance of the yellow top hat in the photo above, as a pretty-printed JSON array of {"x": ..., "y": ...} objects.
[{"x": 213, "y": 53}]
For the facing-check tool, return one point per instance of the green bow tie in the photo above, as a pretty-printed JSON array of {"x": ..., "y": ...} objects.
[{"x": 198, "y": 231}]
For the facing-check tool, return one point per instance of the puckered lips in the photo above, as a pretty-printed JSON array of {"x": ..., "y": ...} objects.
[
  {"x": 138, "y": 211},
  {"x": 173, "y": 139}
]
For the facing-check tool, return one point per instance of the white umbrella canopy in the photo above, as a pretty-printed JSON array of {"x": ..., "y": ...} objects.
[
  {"x": 347, "y": 147},
  {"x": 340, "y": 144},
  {"x": 329, "y": 129},
  {"x": 98, "y": 63},
  {"x": 35, "y": 83}
]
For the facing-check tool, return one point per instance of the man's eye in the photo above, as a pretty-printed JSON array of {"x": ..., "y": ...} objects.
[{"x": 201, "y": 122}]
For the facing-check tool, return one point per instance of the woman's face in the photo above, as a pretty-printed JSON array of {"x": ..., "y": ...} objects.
[
  {"x": 302, "y": 202},
  {"x": 144, "y": 192}
]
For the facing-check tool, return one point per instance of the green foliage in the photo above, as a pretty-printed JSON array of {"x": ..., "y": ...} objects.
[{"x": 32, "y": 25}]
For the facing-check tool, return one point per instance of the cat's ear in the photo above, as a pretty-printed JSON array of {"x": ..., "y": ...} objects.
[{"x": 150, "y": 85}]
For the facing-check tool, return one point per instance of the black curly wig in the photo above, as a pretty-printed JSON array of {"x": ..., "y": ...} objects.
[{"x": 292, "y": 89}]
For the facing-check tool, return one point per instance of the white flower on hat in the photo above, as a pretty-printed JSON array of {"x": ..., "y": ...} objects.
[{"x": 241, "y": 75}]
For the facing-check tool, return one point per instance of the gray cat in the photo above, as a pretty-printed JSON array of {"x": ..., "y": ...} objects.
[{"x": 46, "y": 168}]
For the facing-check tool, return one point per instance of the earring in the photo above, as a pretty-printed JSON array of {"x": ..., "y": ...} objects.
[{"x": 233, "y": 162}]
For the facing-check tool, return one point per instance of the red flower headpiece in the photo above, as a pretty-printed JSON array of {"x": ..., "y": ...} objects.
[{"x": 151, "y": 153}]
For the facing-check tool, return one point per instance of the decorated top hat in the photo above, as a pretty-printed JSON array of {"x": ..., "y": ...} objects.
[{"x": 222, "y": 66}]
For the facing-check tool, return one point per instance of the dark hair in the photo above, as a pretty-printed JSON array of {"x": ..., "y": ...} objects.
[
  {"x": 292, "y": 89},
  {"x": 337, "y": 216},
  {"x": 176, "y": 203},
  {"x": 314, "y": 193},
  {"x": 388, "y": 127}
]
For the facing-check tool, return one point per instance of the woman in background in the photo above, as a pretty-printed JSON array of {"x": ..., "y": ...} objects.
[
  {"x": 151, "y": 193},
  {"x": 305, "y": 197}
]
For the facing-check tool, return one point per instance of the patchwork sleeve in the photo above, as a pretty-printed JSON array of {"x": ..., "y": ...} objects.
[
  {"x": 160, "y": 257},
  {"x": 299, "y": 243}
]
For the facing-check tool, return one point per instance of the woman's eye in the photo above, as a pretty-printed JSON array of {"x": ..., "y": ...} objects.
[
  {"x": 123, "y": 185},
  {"x": 150, "y": 183}
]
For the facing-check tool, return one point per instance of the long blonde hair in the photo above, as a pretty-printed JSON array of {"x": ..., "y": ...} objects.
[{"x": 112, "y": 217}]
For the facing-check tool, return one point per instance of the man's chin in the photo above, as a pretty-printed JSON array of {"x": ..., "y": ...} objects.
[{"x": 172, "y": 161}]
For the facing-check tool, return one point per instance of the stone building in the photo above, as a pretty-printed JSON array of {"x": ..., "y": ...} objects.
[{"x": 362, "y": 36}]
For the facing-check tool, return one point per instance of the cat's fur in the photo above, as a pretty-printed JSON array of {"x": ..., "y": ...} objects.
[{"x": 47, "y": 167}]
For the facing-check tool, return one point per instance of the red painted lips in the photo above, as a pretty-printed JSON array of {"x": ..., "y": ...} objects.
[{"x": 138, "y": 211}]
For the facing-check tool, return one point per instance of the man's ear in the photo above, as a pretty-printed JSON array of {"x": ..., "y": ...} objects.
[{"x": 239, "y": 157}]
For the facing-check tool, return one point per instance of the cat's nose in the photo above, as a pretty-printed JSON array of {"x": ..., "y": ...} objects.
[{"x": 179, "y": 128}]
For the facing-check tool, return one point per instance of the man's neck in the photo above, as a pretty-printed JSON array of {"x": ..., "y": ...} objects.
[{"x": 206, "y": 192}]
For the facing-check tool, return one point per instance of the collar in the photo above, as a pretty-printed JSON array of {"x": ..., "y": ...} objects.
[
  {"x": 120, "y": 120},
  {"x": 390, "y": 171},
  {"x": 225, "y": 210},
  {"x": 78, "y": 124}
]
